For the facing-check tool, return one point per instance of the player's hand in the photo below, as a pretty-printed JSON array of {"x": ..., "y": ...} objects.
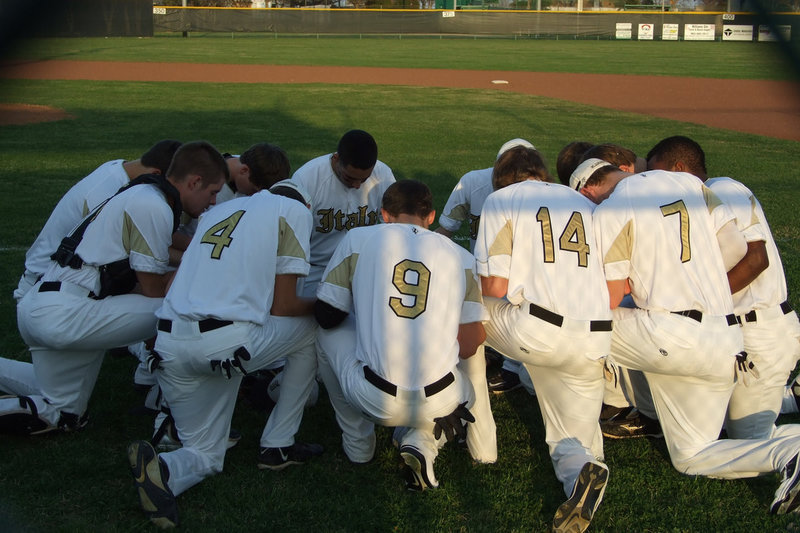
[
  {"x": 746, "y": 371},
  {"x": 453, "y": 424},
  {"x": 232, "y": 365}
]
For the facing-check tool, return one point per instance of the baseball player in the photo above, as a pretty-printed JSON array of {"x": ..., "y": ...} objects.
[
  {"x": 628, "y": 410},
  {"x": 543, "y": 285},
  {"x": 769, "y": 325},
  {"x": 669, "y": 239},
  {"x": 231, "y": 309},
  {"x": 399, "y": 305},
  {"x": 83, "y": 304},
  {"x": 465, "y": 203},
  {"x": 345, "y": 189}
]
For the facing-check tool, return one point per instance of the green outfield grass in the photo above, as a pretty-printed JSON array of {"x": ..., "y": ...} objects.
[
  {"x": 702, "y": 59},
  {"x": 81, "y": 482}
]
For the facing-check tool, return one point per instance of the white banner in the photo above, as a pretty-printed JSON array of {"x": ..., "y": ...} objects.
[
  {"x": 645, "y": 32},
  {"x": 698, "y": 32},
  {"x": 624, "y": 30},
  {"x": 734, "y": 32},
  {"x": 669, "y": 32},
  {"x": 765, "y": 33}
]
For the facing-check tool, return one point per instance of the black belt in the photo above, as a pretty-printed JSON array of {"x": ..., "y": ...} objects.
[
  {"x": 207, "y": 324},
  {"x": 752, "y": 316},
  {"x": 558, "y": 320},
  {"x": 55, "y": 286},
  {"x": 391, "y": 388},
  {"x": 696, "y": 315}
]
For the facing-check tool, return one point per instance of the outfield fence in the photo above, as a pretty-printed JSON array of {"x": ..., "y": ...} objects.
[{"x": 104, "y": 18}]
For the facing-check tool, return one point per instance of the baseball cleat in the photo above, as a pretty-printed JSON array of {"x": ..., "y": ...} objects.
[
  {"x": 575, "y": 514},
  {"x": 151, "y": 475},
  {"x": 169, "y": 441},
  {"x": 19, "y": 416},
  {"x": 503, "y": 381},
  {"x": 630, "y": 426},
  {"x": 787, "y": 497},
  {"x": 419, "y": 472},
  {"x": 296, "y": 454}
]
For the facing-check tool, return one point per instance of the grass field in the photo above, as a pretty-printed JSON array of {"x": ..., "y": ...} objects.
[{"x": 81, "y": 482}]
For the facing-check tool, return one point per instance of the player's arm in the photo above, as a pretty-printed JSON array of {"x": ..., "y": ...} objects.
[
  {"x": 617, "y": 289},
  {"x": 754, "y": 262},
  {"x": 494, "y": 286},
  {"x": 442, "y": 231},
  {"x": 286, "y": 302},
  {"x": 470, "y": 336},
  {"x": 154, "y": 285}
]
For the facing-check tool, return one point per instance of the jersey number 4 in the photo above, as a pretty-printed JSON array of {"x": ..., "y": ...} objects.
[
  {"x": 410, "y": 278},
  {"x": 220, "y": 234}
]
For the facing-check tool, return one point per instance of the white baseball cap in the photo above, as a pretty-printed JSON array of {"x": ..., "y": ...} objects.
[
  {"x": 513, "y": 143},
  {"x": 288, "y": 183},
  {"x": 584, "y": 171}
]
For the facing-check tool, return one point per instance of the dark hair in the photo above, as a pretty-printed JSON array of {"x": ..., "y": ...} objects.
[
  {"x": 599, "y": 175},
  {"x": 409, "y": 197},
  {"x": 668, "y": 152},
  {"x": 569, "y": 158},
  {"x": 358, "y": 149},
  {"x": 518, "y": 164},
  {"x": 200, "y": 158},
  {"x": 612, "y": 153},
  {"x": 268, "y": 164},
  {"x": 160, "y": 155}
]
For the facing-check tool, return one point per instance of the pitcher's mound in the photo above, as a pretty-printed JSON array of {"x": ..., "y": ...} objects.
[{"x": 20, "y": 114}]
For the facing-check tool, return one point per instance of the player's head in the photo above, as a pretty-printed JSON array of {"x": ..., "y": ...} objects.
[
  {"x": 596, "y": 179},
  {"x": 159, "y": 156},
  {"x": 518, "y": 164},
  {"x": 261, "y": 166},
  {"x": 355, "y": 158},
  {"x": 198, "y": 171},
  {"x": 408, "y": 198},
  {"x": 617, "y": 155},
  {"x": 513, "y": 143},
  {"x": 678, "y": 154},
  {"x": 569, "y": 158}
]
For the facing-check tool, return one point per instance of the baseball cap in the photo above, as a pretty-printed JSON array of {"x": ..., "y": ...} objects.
[
  {"x": 513, "y": 143},
  {"x": 281, "y": 186},
  {"x": 584, "y": 171}
]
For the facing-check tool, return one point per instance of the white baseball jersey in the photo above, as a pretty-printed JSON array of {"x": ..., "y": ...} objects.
[
  {"x": 769, "y": 288},
  {"x": 657, "y": 240},
  {"x": 188, "y": 225},
  {"x": 410, "y": 288},
  {"x": 82, "y": 198},
  {"x": 337, "y": 208},
  {"x": 249, "y": 240},
  {"x": 555, "y": 263},
  {"x": 135, "y": 224},
  {"x": 466, "y": 202}
]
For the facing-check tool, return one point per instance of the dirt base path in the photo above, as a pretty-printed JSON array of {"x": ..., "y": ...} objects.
[{"x": 770, "y": 108}]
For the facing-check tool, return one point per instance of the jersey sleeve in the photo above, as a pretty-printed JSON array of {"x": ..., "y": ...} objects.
[
  {"x": 294, "y": 234},
  {"x": 147, "y": 234},
  {"x": 456, "y": 210},
  {"x": 336, "y": 285},
  {"x": 614, "y": 233},
  {"x": 495, "y": 237},
  {"x": 744, "y": 206},
  {"x": 472, "y": 310}
]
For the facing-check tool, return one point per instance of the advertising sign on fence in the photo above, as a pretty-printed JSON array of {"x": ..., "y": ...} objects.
[
  {"x": 645, "y": 32},
  {"x": 765, "y": 32},
  {"x": 698, "y": 32},
  {"x": 669, "y": 32},
  {"x": 624, "y": 30},
  {"x": 737, "y": 32}
]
